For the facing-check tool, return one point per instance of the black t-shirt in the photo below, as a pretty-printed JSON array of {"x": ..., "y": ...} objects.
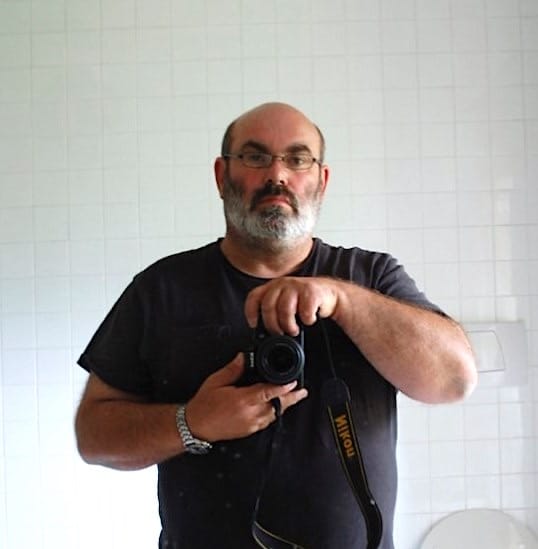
[{"x": 182, "y": 319}]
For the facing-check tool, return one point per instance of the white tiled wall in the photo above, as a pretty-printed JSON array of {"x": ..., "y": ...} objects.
[{"x": 111, "y": 113}]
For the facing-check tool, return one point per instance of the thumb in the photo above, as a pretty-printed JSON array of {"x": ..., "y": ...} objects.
[{"x": 229, "y": 374}]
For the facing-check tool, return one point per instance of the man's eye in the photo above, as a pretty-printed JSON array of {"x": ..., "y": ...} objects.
[
  {"x": 254, "y": 157},
  {"x": 297, "y": 160}
]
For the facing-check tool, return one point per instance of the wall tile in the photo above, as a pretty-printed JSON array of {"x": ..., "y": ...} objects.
[
  {"x": 364, "y": 37},
  {"x": 122, "y": 256},
  {"x": 469, "y": 35},
  {"x": 413, "y": 460},
  {"x": 483, "y": 492},
  {"x": 481, "y": 422},
  {"x": 54, "y": 366},
  {"x": 86, "y": 257},
  {"x": 18, "y": 369},
  {"x": 435, "y": 70},
  {"x": 18, "y": 330},
  {"x": 447, "y": 494},
  {"x": 51, "y": 222},
  {"x": 518, "y": 491},
  {"x": 434, "y": 35},
  {"x": 52, "y": 294},
  {"x": 401, "y": 107},
  {"x": 446, "y": 423},
  {"x": 472, "y": 104},
  {"x": 118, "y": 150},
  {"x": 442, "y": 280},
  {"x": 51, "y": 258},
  {"x": 482, "y": 457},
  {"x": 436, "y": 105},
  {"x": 505, "y": 69},
  {"x": 398, "y": 36},
  {"x": 447, "y": 459},
  {"x": 515, "y": 420},
  {"x": 414, "y": 495},
  {"x": 86, "y": 222},
  {"x": 518, "y": 455},
  {"x": 17, "y": 295},
  {"x": 502, "y": 8},
  {"x": 184, "y": 13},
  {"x": 413, "y": 423},
  {"x": 16, "y": 50},
  {"x": 470, "y": 69},
  {"x": 52, "y": 330},
  {"x": 259, "y": 76}
]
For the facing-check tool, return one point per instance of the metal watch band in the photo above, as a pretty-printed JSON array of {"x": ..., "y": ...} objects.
[{"x": 191, "y": 444}]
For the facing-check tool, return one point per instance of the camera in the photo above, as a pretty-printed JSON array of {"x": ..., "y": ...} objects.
[{"x": 277, "y": 359}]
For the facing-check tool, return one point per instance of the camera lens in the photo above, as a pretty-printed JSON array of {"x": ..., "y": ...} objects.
[{"x": 280, "y": 359}]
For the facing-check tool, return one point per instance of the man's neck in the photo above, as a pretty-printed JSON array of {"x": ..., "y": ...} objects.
[{"x": 265, "y": 261}]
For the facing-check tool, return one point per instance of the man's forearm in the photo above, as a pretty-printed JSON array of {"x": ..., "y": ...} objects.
[
  {"x": 422, "y": 353},
  {"x": 127, "y": 435}
]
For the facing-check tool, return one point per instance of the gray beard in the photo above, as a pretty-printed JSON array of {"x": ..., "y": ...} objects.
[{"x": 271, "y": 226}]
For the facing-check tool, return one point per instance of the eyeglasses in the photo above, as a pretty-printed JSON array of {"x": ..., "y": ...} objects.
[{"x": 296, "y": 161}]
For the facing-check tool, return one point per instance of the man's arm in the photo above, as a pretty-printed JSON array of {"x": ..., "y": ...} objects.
[
  {"x": 425, "y": 355},
  {"x": 122, "y": 431}
]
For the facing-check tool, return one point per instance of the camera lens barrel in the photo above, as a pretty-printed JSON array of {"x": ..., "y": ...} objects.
[{"x": 279, "y": 359}]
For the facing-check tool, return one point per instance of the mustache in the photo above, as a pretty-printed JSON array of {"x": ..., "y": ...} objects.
[{"x": 272, "y": 189}]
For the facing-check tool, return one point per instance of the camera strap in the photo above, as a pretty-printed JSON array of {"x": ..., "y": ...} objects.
[
  {"x": 335, "y": 394},
  {"x": 263, "y": 537}
]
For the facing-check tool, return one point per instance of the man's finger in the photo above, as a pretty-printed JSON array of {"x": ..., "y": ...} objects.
[
  {"x": 252, "y": 306},
  {"x": 269, "y": 392}
]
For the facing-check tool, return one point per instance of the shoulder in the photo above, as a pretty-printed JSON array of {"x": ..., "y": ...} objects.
[
  {"x": 354, "y": 262},
  {"x": 181, "y": 264},
  {"x": 183, "y": 273}
]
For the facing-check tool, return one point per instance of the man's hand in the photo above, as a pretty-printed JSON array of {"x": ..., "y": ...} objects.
[
  {"x": 282, "y": 300},
  {"x": 222, "y": 411}
]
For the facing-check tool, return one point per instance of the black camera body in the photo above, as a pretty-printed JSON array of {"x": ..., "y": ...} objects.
[{"x": 277, "y": 359}]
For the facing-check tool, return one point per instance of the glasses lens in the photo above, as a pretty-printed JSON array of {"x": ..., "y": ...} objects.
[
  {"x": 301, "y": 161},
  {"x": 256, "y": 159}
]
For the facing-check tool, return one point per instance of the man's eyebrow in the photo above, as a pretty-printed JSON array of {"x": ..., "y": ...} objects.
[
  {"x": 293, "y": 148},
  {"x": 251, "y": 144},
  {"x": 298, "y": 147}
]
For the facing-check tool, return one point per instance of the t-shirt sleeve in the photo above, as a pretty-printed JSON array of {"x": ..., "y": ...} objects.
[
  {"x": 113, "y": 353},
  {"x": 390, "y": 278}
]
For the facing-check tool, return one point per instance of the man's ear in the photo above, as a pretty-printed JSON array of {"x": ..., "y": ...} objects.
[
  {"x": 219, "y": 169},
  {"x": 325, "y": 173}
]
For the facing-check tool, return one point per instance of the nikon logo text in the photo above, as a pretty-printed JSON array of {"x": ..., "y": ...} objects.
[{"x": 344, "y": 434}]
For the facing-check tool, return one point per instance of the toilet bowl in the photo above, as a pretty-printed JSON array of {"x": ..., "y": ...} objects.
[{"x": 479, "y": 529}]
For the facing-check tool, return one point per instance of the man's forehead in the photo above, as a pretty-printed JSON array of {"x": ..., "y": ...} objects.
[{"x": 285, "y": 127}]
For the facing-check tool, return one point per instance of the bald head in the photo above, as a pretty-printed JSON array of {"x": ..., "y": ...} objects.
[{"x": 270, "y": 117}]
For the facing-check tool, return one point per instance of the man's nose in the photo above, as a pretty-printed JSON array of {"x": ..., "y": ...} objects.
[{"x": 277, "y": 171}]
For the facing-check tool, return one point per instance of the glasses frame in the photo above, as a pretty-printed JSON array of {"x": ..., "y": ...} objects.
[{"x": 271, "y": 158}]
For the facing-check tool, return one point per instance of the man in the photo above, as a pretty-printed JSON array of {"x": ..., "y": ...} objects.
[{"x": 167, "y": 381}]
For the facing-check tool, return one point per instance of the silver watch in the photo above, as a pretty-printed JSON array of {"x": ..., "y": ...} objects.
[{"x": 191, "y": 444}]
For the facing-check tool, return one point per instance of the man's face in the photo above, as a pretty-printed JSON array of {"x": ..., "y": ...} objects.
[
  {"x": 274, "y": 203},
  {"x": 272, "y": 211}
]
